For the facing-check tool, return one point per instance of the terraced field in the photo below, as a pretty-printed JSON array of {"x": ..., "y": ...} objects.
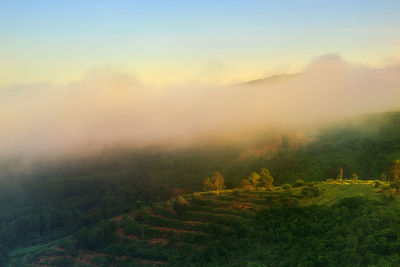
[{"x": 162, "y": 234}]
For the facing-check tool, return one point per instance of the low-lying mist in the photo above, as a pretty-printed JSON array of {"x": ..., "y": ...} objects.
[{"x": 109, "y": 108}]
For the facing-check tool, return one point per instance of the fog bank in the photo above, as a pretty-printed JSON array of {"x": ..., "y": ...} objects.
[{"x": 108, "y": 107}]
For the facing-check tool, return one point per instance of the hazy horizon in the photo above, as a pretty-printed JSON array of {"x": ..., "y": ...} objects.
[{"x": 169, "y": 42}]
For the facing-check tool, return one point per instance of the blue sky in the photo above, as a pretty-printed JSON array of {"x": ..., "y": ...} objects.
[{"x": 173, "y": 41}]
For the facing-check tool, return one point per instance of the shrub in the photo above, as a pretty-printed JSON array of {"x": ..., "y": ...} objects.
[
  {"x": 180, "y": 205},
  {"x": 311, "y": 190},
  {"x": 299, "y": 182},
  {"x": 196, "y": 195},
  {"x": 245, "y": 184},
  {"x": 394, "y": 172},
  {"x": 286, "y": 187},
  {"x": 395, "y": 186}
]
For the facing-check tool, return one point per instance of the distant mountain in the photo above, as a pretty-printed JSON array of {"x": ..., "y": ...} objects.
[{"x": 270, "y": 80}]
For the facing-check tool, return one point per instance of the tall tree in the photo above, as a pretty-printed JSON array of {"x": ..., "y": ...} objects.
[
  {"x": 384, "y": 177},
  {"x": 266, "y": 178},
  {"x": 216, "y": 182},
  {"x": 394, "y": 172},
  {"x": 207, "y": 185},
  {"x": 254, "y": 179},
  {"x": 340, "y": 174},
  {"x": 245, "y": 184},
  {"x": 140, "y": 214}
]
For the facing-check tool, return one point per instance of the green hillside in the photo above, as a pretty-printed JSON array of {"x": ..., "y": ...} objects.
[
  {"x": 347, "y": 223},
  {"x": 59, "y": 197},
  {"x": 366, "y": 146}
]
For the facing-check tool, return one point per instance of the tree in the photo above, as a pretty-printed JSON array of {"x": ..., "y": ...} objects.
[
  {"x": 196, "y": 196},
  {"x": 180, "y": 205},
  {"x": 254, "y": 179},
  {"x": 340, "y": 174},
  {"x": 394, "y": 172},
  {"x": 299, "y": 182},
  {"x": 354, "y": 177},
  {"x": 395, "y": 186},
  {"x": 140, "y": 214},
  {"x": 216, "y": 182},
  {"x": 266, "y": 179},
  {"x": 384, "y": 177},
  {"x": 245, "y": 184},
  {"x": 175, "y": 192},
  {"x": 286, "y": 188},
  {"x": 207, "y": 185}
]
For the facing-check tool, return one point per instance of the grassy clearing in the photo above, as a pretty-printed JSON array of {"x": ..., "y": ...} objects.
[{"x": 334, "y": 191}]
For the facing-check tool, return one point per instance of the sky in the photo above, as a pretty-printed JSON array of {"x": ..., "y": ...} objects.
[{"x": 167, "y": 42}]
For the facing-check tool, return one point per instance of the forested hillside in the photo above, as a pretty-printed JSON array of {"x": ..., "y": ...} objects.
[
  {"x": 342, "y": 223},
  {"x": 58, "y": 198},
  {"x": 366, "y": 146}
]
